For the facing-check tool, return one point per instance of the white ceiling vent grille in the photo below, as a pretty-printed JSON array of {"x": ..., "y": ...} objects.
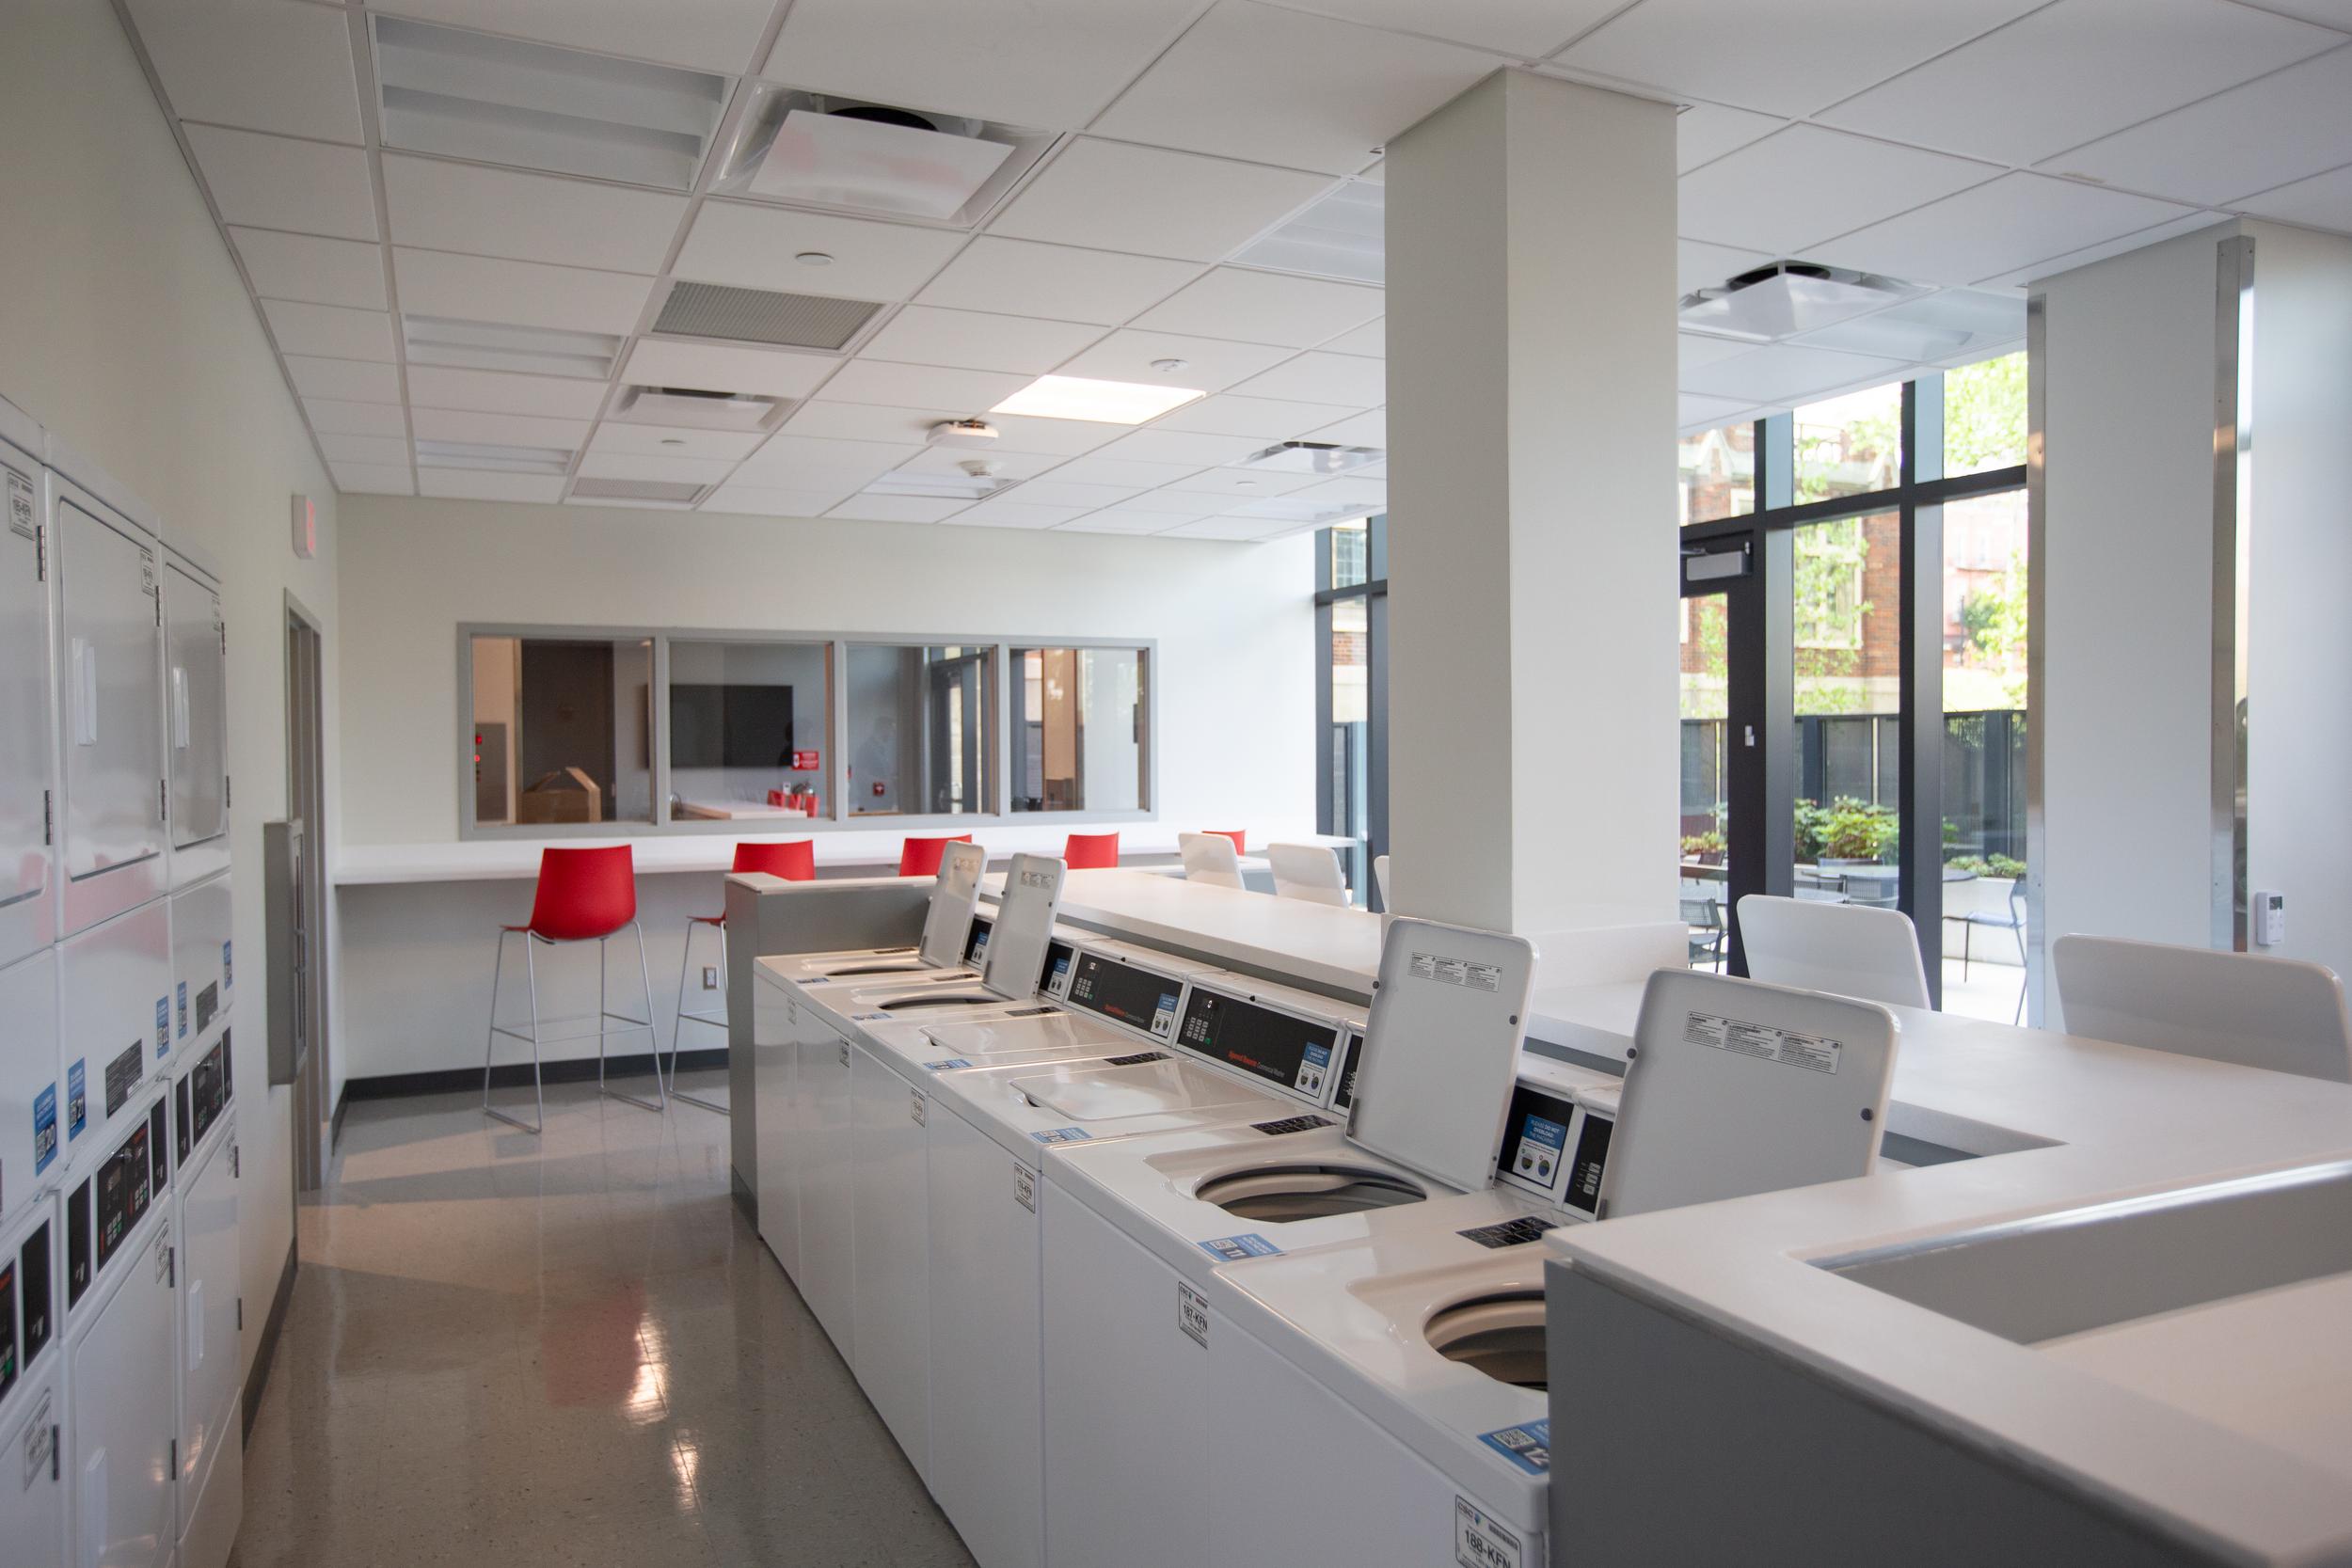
[
  {"x": 690, "y": 408},
  {"x": 669, "y": 491},
  {"x": 1339, "y": 236},
  {"x": 1784, "y": 298},
  {"x": 821, "y": 150},
  {"x": 762, "y": 316}
]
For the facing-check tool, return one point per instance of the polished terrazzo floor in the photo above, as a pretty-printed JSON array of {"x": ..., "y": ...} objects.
[{"x": 523, "y": 1352}]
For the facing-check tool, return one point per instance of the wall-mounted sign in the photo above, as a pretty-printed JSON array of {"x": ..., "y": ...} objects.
[{"x": 804, "y": 762}]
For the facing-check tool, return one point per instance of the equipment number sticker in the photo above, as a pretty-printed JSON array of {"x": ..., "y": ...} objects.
[
  {"x": 1025, "y": 1186},
  {"x": 917, "y": 1107},
  {"x": 1192, "y": 1314},
  {"x": 1481, "y": 1542}
]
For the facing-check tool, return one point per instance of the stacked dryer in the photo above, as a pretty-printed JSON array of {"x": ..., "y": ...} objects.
[{"x": 114, "y": 965}]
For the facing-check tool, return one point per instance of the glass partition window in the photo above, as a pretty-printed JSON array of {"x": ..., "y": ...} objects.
[
  {"x": 1850, "y": 444},
  {"x": 747, "y": 729},
  {"x": 1717, "y": 473},
  {"x": 562, "y": 730},
  {"x": 1984, "y": 416},
  {"x": 918, "y": 723},
  {"x": 1081, "y": 738},
  {"x": 1849, "y": 703}
]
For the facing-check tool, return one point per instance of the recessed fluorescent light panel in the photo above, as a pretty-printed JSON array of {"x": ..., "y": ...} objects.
[
  {"x": 1339, "y": 236},
  {"x": 644, "y": 492},
  {"x": 487, "y": 346},
  {"x": 533, "y": 105},
  {"x": 853, "y": 155},
  {"x": 493, "y": 459},
  {"x": 762, "y": 316},
  {"x": 1072, "y": 397},
  {"x": 1311, "y": 458},
  {"x": 938, "y": 486}
]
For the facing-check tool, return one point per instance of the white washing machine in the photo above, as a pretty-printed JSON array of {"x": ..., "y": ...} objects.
[
  {"x": 1134, "y": 1230},
  {"x": 203, "y": 1200},
  {"x": 195, "y": 714},
  {"x": 114, "y": 788},
  {"x": 939, "y": 953},
  {"x": 1414, "y": 1366},
  {"x": 32, "y": 1127},
  {"x": 113, "y": 1011},
  {"x": 992, "y": 1131},
  {"x": 28, "y": 725},
  {"x": 122, "y": 1348},
  {"x": 32, "y": 1390}
]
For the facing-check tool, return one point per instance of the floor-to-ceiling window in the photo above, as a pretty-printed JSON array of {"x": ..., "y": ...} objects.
[
  {"x": 1351, "y": 693},
  {"x": 1854, "y": 668}
]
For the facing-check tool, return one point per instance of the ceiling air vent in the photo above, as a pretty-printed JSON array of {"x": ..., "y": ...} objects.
[
  {"x": 762, "y": 316},
  {"x": 1339, "y": 236},
  {"x": 1784, "y": 298},
  {"x": 666, "y": 491},
  {"x": 487, "y": 346},
  {"x": 820, "y": 150},
  {"x": 692, "y": 408},
  {"x": 1312, "y": 457}
]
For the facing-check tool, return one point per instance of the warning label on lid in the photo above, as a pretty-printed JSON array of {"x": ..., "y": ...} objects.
[
  {"x": 1454, "y": 972},
  {"x": 1814, "y": 1052}
]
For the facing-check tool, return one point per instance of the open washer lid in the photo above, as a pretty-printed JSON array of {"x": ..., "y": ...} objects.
[
  {"x": 948, "y": 923},
  {"x": 1024, "y": 925},
  {"x": 1443, "y": 1048}
]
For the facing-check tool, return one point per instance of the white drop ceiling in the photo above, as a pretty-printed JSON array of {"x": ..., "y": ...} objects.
[{"x": 1208, "y": 194}]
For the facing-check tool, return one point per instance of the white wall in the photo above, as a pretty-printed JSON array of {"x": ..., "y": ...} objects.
[{"x": 125, "y": 330}]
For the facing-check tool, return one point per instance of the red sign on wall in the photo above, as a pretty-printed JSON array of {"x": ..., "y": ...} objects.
[
  {"x": 880, "y": 788},
  {"x": 804, "y": 762}
]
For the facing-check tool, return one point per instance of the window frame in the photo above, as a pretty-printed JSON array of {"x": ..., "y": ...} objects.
[
  {"x": 1146, "y": 686},
  {"x": 835, "y": 817}
]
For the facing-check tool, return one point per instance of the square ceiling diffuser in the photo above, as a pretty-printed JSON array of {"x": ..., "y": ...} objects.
[
  {"x": 820, "y": 150},
  {"x": 534, "y": 105},
  {"x": 762, "y": 316},
  {"x": 1341, "y": 236}
]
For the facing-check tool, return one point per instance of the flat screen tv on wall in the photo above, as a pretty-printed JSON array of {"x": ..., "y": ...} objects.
[{"x": 730, "y": 726}]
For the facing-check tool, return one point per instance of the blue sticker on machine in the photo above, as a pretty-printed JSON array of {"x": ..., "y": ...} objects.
[
  {"x": 948, "y": 1066},
  {"x": 44, "y": 1128},
  {"x": 163, "y": 1024},
  {"x": 76, "y": 1101},
  {"x": 1232, "y": 1249},
  {"x": 1528, "y": 1447},
  {"x": 1063, "y": 1136},
  {"x": 183, "y": 1009},
  {"x": 228, "y": 969}
]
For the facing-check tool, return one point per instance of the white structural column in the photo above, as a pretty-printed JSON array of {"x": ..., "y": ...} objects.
[{"x": 1531, "y": 655}]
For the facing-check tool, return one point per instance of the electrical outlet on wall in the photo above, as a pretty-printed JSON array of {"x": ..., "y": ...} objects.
[{"x": 710, "y": 976}]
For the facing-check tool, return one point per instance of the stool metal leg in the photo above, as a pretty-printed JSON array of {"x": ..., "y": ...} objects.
[
  {"x": 677, "y": 1026},
  {"x": 652, "y": 1039},
  {"x": 489, "y": 1050}
]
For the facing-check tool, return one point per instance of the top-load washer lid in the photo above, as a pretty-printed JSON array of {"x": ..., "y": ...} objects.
[
  {"x": 1442, "y": 1050},
  {"x": 1040, "y": 1032},
  {"x": 1018, "y": 941},
  {"x": 1149, "y": 1084},
  {"x": 946, "y": 925}
]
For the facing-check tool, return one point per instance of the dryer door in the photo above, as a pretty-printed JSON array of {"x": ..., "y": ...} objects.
[
  {"x": 208, "y": 1317},
  {"x": 27, "y": 739},
  {"x": 123, "y": 1391},
  {"x": 32, "y": 1486},
  {"x": 195, "y": 709},
  {"x": 113, "y": 721}
]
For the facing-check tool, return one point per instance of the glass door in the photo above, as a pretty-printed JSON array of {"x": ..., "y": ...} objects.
[
  {"x": 1705, "y": 726},
  {"x": 1847, "y": 623},
  {"x": 958, "y": 699}
]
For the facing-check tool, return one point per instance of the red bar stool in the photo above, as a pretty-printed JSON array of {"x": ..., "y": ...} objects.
[
  {"x": 795, "y": 862},
  {"x": 583, "y": 895},
  {"x": 919, "y": 857},
  {"x": 1092, "y": 852}
]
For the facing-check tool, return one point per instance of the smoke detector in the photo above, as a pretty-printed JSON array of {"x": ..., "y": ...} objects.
[
  {"x": 980, "y": 467},
  {"x": 1785, "y": 299},
  {"x": 962, "y": 433}
]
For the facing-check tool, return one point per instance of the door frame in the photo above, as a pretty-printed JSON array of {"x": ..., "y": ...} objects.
[{"x": 306, "y": 802}]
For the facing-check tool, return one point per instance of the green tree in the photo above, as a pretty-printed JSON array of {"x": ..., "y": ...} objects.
[{"x": 1984, "y": 415}]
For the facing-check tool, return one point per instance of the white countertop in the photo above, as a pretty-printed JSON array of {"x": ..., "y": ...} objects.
[{"x": 514, "y": 859}]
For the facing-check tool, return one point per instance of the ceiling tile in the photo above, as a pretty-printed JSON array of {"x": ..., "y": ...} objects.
[
  {"x": 1347, "y": 490},
  {"x": 1247, "y": 485},
  {"x": 1265, "y": 308},
  {"x": 305, "y": 268},
  {"x": 348, "y": 380},
  {"x": 1051, "y": 64},
  {"x": 2330, "y": 13},
  {"x": 1268, "y": 419},
  {"x": 920, "y": 385},
  {"x": 1054, "y": 437},
  {"x": 1025, "y": 279},
  {"x": 976, "y": 340},
  {"x": 1112, "y": 520},
  {"x": 365, "y": 448},
  {"x": 1525, "y": 29},
  {"x": 1238, "y": 531},
  {"x": 373, "y": 479},
  {"x": 1361, "y": 430},
  {"x": 655, "y": 440},
  {"x": 1210, "y": 364},
  {"x": 500, "y": 392},
  {"x": 1782, "y": 59},
  {"x": 710, "y": 34},
  {"x": 1115, "y": 470},
  {"x": 266, "y": 64},
  {"x": 1781, "y": 374},
  {"x": 1701, "y": 267},
  {"x": 1318, "y": 377},
  {"x": 2289, "y": 125},
  {"x": 1011, "y": 513},
  {"x": 1055, "y": 492},
  {"x": 1371, "y": 340},
  {"x": 2077, "y": 70},
  {"x": 481, "y": 484},
  {"x": 783, "y": 457},
  {"x": 1691, "y": 412},
  {"x": 331, "y": 416},
  {"x": 757, "y": 501},
  {"x": 271, "y": 182},
  {"x": 330, "y": 331},
  {"x": 1693, "y": 349},
  {"x": 897, "y": 509},
  {"x": 1154, "y": 202},
  {"x": 629, "y": 464},
  {"x": 1804, "y": 185},
  {"x": 495, "y": 430},
  {"x": 713, "y": 368},
  {"x": 2322, "y": 202},
  {"x": 1249, "y": 81},
  {"x": 1175, "y": 504},
  {"x": 2012, "y": 222},
  {"x": 528, "y": 218},
  {"x": 754, "y": 247},
  {"x": 1194, "y": 448},
  {"x": 1704, "y": 132},
  {"x": 1008, "y": 465},
  {"x": 866, "y": 422},
  {"x": 519, "y": 293}
]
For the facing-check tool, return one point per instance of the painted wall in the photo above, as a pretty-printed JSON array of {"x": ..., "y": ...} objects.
[{"x": 126, "y": 331}]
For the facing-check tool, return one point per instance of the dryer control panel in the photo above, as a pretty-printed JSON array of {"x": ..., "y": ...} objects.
[{"x": 202, "y": 1095}]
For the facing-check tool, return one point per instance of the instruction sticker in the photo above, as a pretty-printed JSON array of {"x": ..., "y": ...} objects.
[
  {"x": 40, "y": 1435},
  {"x": 44, "y": 1128},
  {"x": 948, "y": 1066},
  {"x": 1025, "y": 1186},
  {"x": 76, "y": 1101},
  {"x": 918, "y": 1108},
  {"x": 1528, "y": 1447},
  {"x": 1233, "y": 1249},
  {"x": 163, "y": 1024},
  {"x": 1192, "y": 1314},
  {"x": 1063, "y": 1136},
  {"x": 20, "y": 505},
  {"x": 1481, "y": 1542},
  {"x": 122, "y": 1076},
  {"x": 228, "y": 966},
  {"x": 1164, "y": 1017},
  {"x": 183, "y": 1009},
  {"x": 1813, "y": 1053},
  {"x": 1454, "y": 972}
]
